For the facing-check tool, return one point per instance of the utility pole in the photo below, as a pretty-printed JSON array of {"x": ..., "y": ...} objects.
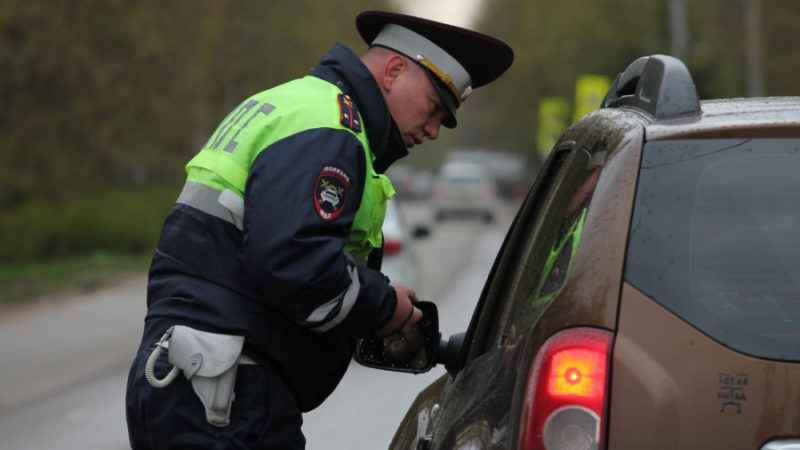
[
  {"x": 754, "y": 58},
  {"x": 679, "y": 29}
]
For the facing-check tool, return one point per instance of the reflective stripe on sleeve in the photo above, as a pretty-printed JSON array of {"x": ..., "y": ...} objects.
[
  {"x": 346, "y": 299},
  {"x": 225, "y": 205},
  {"x": 355, "y": 259}
]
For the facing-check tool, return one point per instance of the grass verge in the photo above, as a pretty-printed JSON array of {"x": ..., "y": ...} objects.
[{"x": 26, "y": 281}]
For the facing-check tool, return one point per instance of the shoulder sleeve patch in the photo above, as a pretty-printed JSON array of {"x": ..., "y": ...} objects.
[
  {"x": 348, "y": 113},
  {"x": 330, "y": 191}
]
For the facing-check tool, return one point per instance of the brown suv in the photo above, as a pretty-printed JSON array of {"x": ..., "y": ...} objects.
[{"x": 647, "y": 295}]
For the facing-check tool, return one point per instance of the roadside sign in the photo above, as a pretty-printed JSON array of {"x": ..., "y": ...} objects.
[
  {"x": 553, "y": 120},
  {"x": 589, "y": 93}
]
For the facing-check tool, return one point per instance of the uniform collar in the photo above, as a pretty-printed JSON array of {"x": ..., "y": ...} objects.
[{"x": 344, "y": 68}]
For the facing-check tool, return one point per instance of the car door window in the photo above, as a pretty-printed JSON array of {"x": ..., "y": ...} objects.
[
  {"x": 538, "y": 254},
  {"x": 548, "y": 265},
  {"x": 562, "y": 252}
]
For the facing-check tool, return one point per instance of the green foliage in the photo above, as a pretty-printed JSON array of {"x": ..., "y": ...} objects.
[
  {"x": 23, "y": 281},
  {"x": 104, "y": 99},
  {"x": 555, "y": 42},
  {"x": 126, "y": 221},
  {"x": 118, "y": 92}
]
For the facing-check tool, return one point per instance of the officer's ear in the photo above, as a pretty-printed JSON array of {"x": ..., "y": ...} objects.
[{"x": 392, "y": 70}]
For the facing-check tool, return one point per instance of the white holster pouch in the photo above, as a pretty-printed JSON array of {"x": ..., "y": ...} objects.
[{"x": 208, "y": 360}]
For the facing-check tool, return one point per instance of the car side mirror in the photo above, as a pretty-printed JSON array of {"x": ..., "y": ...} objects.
[{"x": 374, "y": 351}]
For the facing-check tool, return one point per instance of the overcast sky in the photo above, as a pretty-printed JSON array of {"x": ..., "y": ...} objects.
[{"x": 455, "y": 12}]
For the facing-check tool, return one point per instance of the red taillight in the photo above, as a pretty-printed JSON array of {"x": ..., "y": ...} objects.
[
  {"x": 577, "y": 372},
  {"x": 566, "y": 393},
  {"x": 392, "y": 247}
]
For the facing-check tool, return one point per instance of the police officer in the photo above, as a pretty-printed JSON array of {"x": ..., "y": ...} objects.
[{"x": 267, "y": 267}]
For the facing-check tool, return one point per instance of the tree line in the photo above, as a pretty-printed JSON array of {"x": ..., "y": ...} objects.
[
  {"x": 106, "y": 100},
  {"x": 557, "y": 41}
]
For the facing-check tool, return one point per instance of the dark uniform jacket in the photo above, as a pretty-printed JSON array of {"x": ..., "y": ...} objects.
[{"x": 279, "y": 278}]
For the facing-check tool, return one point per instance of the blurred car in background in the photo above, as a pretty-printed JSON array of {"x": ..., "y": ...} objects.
[
  {"x": 399, "y": 256},
  {"x": 647, "y": 293},
  {"x": 423, "y": 184},
  {"x": 465, "y": 189},
  {"x": 510, "y": 170},
  {"x": 410, "y": 183}
]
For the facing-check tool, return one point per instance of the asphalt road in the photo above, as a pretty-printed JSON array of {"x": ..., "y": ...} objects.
[{"x": 65, "y": 358}]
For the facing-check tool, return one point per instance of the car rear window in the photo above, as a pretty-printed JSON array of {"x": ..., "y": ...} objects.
[{"x": 715, "y": 238}]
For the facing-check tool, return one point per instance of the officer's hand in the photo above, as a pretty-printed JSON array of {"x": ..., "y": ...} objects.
[{"x": 405, "y": 314}]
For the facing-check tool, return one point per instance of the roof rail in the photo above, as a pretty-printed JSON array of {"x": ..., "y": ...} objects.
[{"x": 660, "y": 85}]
